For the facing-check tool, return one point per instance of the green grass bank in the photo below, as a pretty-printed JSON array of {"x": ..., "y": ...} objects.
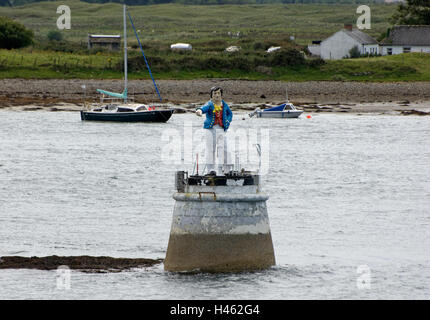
[
  {"x": 210, "y": 29},
  {"x": 33, "y": 64}
]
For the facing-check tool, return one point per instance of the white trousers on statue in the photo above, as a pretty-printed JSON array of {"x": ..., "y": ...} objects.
[{"x": 216, "y": 150}]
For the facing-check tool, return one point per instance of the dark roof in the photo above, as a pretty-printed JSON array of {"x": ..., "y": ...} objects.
[
  {"x": 408, "y": 36},
  {"x": 360, "y": 36}
]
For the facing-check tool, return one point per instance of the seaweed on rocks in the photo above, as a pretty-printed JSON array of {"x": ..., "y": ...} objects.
[{"x": 82, "y": 263}]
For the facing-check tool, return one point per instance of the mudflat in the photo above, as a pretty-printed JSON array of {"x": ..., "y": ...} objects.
[{"x": 62, "y": 94}]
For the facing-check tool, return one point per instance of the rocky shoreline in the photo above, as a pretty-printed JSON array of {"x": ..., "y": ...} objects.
[
  {"x": 314, "y": 96},
  {"x": 81, "y": 263}
]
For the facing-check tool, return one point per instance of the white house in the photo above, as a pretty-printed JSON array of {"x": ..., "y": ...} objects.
[
  {"x": 405, "y": 39},
  {"x": 339, "y": 44}
]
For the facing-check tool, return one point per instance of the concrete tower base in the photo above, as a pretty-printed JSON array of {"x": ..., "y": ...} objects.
[{"x": 220, "y": 228}]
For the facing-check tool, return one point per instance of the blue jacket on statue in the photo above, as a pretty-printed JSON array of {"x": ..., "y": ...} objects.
[{"x": 209, "y": 107}]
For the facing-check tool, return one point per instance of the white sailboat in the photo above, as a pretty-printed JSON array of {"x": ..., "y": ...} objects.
[{"x": 118, "y": 106}]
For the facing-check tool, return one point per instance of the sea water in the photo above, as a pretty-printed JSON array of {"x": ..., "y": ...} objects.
[{"x": 349, "y": 206}]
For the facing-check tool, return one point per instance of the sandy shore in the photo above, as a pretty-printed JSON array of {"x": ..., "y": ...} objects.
[{"x": 319, "y": 96}]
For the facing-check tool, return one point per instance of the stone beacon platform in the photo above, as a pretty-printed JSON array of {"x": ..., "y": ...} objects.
[{"x": 220, "y": 224}]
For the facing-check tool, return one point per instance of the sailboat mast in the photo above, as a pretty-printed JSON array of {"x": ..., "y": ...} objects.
[{"x": 125, "y": 54}]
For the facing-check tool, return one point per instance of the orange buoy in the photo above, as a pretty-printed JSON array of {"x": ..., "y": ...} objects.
[{"x": 308, "y": 116}]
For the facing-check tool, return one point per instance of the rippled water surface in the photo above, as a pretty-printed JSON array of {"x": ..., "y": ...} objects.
[{"x": 345, "y": 191}]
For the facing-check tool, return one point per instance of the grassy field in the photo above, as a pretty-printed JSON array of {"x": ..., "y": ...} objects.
[
  {"x": 207, "y": 28},
  {"x": 194, "y": 24},
  {"x": 47, "y": 65}
]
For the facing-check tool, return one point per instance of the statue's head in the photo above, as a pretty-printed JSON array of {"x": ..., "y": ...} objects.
[{"x": 216, "y": 93}]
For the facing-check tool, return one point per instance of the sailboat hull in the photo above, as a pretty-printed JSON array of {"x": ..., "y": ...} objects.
[{"x": 139, "y": 116}]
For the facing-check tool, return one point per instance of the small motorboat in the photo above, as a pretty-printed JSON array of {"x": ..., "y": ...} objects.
[{"x": 285, "y": 110}]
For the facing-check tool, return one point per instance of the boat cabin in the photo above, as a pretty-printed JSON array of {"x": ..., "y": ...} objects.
[{"x": 282, "y": 107}]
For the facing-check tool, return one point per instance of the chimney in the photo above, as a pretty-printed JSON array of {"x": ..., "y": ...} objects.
[{"x": 348, "y": 27}]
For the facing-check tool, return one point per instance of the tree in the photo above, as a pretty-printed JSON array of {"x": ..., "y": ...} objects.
[
  {"x": 354, "y": 52},
  {"x": 413, "y": 12},
  {"x": 55, "y": 35},
  {"x": 287, "y": 57},
  {"x": 13, "y": 34}
]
